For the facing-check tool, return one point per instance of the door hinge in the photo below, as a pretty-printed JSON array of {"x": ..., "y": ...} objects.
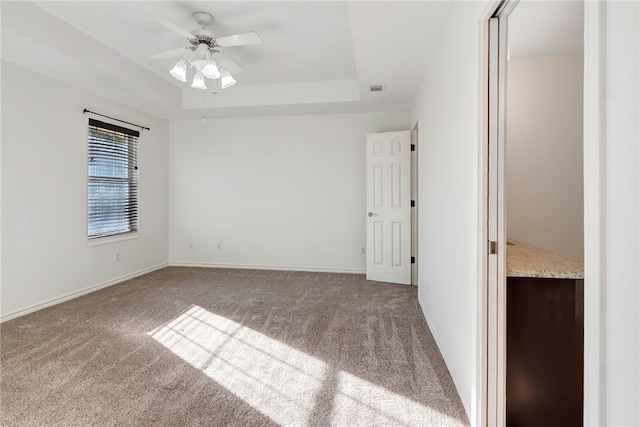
[
  {"x": 413, "y": 203},
  {"x": 493, "y": 247},
  {"x": 413, "y": 147},
  {"x": 413, "y": 260}
]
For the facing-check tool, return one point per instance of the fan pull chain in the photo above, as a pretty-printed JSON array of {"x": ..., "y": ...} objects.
[{"x": 203, "y": 107}]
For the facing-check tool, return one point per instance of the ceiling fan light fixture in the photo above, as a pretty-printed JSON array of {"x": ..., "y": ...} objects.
[
  {"x": 198, "y": 81},
  {"x": 226, "y": 79},
  {"x": 198, "y": 64},
  {"x": 211, "y": 70},
  {"x": 179, "y": 71},
  {"x": 199, "y": 53}
]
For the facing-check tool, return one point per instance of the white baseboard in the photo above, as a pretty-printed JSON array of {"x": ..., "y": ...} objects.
[
  {"x": 265, "y": 267},
  {"x": 76, "y": 294},
  {"x": 464, "y": 397}
]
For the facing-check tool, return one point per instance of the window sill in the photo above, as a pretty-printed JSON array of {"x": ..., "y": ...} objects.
[{"x": 113, "y": 239}]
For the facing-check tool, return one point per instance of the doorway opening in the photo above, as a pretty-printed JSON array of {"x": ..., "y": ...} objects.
[{"x": 534, "y": 207}]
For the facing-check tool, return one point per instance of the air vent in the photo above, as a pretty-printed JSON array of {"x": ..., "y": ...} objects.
[{"x": 376, "y": 88}]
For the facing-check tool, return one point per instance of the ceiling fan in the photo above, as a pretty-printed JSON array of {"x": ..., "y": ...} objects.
[{"x": 203, "y": 54}]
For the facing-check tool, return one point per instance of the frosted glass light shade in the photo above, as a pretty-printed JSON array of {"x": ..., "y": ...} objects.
[
  {"x": 210, "y": 70},
  {"x": 198, "y": 81},
  {"x": 179, "y": 71},
  {"x": 198, "y": 64},
  {"x": 227, "y": 79}
]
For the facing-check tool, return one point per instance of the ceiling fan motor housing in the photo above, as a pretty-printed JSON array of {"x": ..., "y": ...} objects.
[
  {"x": 202, "y": 35},
  {"x": 199, "y": 39}
]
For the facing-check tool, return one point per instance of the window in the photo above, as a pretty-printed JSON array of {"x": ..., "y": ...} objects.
[{"x": 113, "y": 180}]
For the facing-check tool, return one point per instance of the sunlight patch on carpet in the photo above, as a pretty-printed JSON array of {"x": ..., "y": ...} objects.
[{"x": 281, "y": 382}]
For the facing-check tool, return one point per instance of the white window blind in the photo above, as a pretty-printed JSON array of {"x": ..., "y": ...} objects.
[{"x": 113, "y": 180}]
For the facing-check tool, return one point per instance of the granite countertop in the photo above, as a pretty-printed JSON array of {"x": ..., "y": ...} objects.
[{"x": 524, "y": 260}]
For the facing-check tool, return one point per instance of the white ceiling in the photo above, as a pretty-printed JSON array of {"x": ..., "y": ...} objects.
[
  {"x": 543, "y": 27},
  {"x": 295, "y": 47},
  {"x": 317, "y": 56}
]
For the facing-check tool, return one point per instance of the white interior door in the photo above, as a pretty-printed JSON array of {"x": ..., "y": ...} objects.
[
  {"x": 496, "y": 223},
  {"x": 389, "y": 207}
]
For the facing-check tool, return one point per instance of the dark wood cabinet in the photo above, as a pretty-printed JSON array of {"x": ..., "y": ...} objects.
[{"x": 544, "y": 352}]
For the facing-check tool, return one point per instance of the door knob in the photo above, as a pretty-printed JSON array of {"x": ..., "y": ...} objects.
[{"x": 370, "y": 214}]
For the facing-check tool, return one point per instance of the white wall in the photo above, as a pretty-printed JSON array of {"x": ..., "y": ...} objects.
[
  {"x": 622, "y": 214},
  {"x": 447, "y": 110},
  {"x": 544, "y": 152},
  {"x": 45, "y": 253},
  {"x": 278, "y": 192}
]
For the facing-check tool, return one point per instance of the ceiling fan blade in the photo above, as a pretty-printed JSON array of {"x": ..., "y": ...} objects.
[
  {"x": 228, "y": 63},
  {"x": 174, "y": 27},
  {"x": 170, "y": 53},
  {"x": 244, "y": 39}
]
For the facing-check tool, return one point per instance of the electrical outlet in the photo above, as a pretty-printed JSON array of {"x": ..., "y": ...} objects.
[
  {"x": 116, "y": 257},
  {"x": 219, "y": 246},
  {"x": 363, "y": 250},
  {"x": 191, "y": 245}
]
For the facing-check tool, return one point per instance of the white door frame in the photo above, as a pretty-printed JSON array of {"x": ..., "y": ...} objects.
[
  {"x": 495, "y": 243},
  {"x": 414, "y": 210},
  {"x": 594, "y": 164},
  {"x": 492, "y": 280},
  {"x": 490, "y": 410}
]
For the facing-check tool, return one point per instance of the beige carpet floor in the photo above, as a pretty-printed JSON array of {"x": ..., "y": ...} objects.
[{"x": 217, "y": 347}]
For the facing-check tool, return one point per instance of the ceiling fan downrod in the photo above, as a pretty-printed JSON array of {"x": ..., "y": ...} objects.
[{"x": 203, "y": 19}]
